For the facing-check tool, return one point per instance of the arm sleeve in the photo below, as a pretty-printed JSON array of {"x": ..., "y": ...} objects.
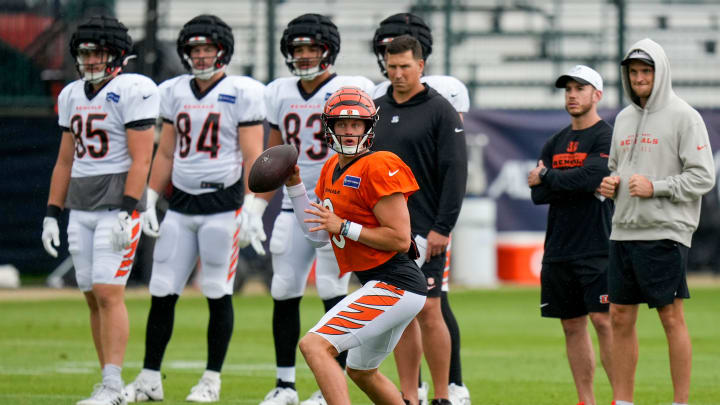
[
  {"x": 166, "y": 101},
  {"x": 270, "y": 105},
  {"x": 612, "y": 159},
  {"x": 301, "y": 202},
  {"x": 63, "y": 108},
  {"x": 586, "y": 177},
  {"x": 698, "y": 168},
  {"x": 541, "y": 194},
  {"x": 452, "y": 165},
  {"x": 143, "y": 101},
  {"x": 460, "y": 98},
  {"x": 251, "y": 105}
]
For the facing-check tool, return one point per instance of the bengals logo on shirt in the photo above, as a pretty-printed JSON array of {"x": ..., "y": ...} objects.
[{"x": 352, "y": 195}]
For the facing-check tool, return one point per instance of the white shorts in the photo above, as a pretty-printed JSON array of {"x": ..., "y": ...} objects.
[
  {"x": 94, "y": 259},
  {"x": 292, "y": 259},
  {"x": 369, "y": 322},
  {"x": 421, "y": 244},
  {"x": 214, "y": 238}
]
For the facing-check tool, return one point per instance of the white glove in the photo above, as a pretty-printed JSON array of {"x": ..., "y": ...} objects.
[
  {"x": 122, "y": 232},
  {"x": 250, "y": 221},
  {"x": 50, "y": 235},
  {"x": 149, "y": 217}
]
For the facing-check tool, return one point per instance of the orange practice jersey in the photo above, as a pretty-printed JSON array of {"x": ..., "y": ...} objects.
[{"x": 353, "y": 196}]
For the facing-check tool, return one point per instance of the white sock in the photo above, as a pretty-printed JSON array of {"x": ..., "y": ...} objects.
[
  {"x": 286, "y": 374},
  {"x": 151, "y": 374},
  {"x": 623, "y": 403},
  {"x": 212, "y": 375},
  {"x": 112, "y": 376}
]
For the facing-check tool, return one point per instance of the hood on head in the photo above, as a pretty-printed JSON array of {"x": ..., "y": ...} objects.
[{"x": 662, "y": 86}]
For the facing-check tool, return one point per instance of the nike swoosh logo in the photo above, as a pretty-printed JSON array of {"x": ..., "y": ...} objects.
[
  {"x": 453, "y": 94},
  {"x": 146, "y": 97},
  {"x": 458, "y": 130},
  {"x": 544, "y": 305},
  {"x": 393, "y": 173},
  {"x": 701, "y": 147}
]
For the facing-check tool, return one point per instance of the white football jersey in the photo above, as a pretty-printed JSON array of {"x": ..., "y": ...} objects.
[
  {"x": 449, "y": 87},
  {"x": 99, "y": 124},
  {"x": 298, "y": 116},
  {"x": 207, "y": 152}
]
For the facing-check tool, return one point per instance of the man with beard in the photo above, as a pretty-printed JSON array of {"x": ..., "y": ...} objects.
[{"x": 574, "y": 270}]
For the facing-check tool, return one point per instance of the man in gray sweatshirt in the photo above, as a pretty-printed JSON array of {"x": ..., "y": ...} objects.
[{"x": 661, "y": 165}]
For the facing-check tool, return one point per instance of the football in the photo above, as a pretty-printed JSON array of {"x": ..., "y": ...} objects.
[{"x": 272, "y": 168}]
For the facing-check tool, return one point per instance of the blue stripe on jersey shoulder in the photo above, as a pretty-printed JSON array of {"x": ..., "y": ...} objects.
[
  {"x": 351, "y": 181},
  {"x": 112, "y": 97},
  {"x": 226, "y": 98}
]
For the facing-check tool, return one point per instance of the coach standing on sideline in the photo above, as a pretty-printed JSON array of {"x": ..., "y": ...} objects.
[
  {"x": 423, "y": 128},
  {"x": 661, "y": 165},
  {"x": 574, "y": 269}
]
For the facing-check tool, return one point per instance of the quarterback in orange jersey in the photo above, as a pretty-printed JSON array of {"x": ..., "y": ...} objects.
[{"x": 363, "y": 213}]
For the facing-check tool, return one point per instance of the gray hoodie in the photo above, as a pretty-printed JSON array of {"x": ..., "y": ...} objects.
[{"x": 667, "y": 142}]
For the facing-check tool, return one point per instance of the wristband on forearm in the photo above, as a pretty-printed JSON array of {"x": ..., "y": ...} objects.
[
  {"x": 128, "y": 204},
  {"x": 53, "y": 211},
  {"x": 351, "y": 230}
]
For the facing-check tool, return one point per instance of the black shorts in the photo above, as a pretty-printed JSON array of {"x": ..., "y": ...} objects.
[
  {"x": 647, "y": 271},
  {"x": 575, "y": 288},
  {"x": 433, "y": 271}
]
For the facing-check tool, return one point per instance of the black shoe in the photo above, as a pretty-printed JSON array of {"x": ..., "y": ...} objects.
[{"x": 440, "y": 401}]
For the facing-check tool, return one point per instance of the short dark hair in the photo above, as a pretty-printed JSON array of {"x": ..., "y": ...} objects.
[{"x": 405, "y": 43}]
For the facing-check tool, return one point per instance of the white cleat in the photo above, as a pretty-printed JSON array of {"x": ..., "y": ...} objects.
[
  {"x": 281, "y": 396},
  {"x": 315, "y": 399},
  {"x": 423, "y": 393},
  {"x": 144, "y": 389},
  {"x": 104, "y": 395},
  {"x": 206, "y": 390},
  {"x": 458, "y": 394}
]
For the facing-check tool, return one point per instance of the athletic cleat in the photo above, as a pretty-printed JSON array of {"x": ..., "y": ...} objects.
[
  {"x": 438, "y": 401},
  {"x": 206, "y": 390},
  {"x": 423, "y": 393},
  {"x": 104, "y": 395},
  {"x": 144, "y": 389},
  {"x": 315, "y": 399},
  {"x": 458, "y": 394},
  {"x": 281, "y": 396}
]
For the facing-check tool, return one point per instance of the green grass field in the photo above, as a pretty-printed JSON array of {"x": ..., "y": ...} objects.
[{"x": 510, "y": 355}]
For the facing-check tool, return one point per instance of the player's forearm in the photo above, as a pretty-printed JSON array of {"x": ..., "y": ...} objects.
[
  {"x": 136, "y": 178},
  {"x": 386, "y": 238},
  {"x": 161, "y": 173},
  {"x": 59, "y": 183}
]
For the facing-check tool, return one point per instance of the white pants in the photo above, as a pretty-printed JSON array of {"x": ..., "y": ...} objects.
[
  {"x": 185, "y": 237},
  {"x": 95, "y": 261},
  {"x": 292, "y": 259},
  {"x": 369, "y": 322}
]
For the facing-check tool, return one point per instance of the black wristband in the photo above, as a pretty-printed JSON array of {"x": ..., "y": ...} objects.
[
  {"x": 128, "y": 204},
  {"x": 53, "y": 211}
]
